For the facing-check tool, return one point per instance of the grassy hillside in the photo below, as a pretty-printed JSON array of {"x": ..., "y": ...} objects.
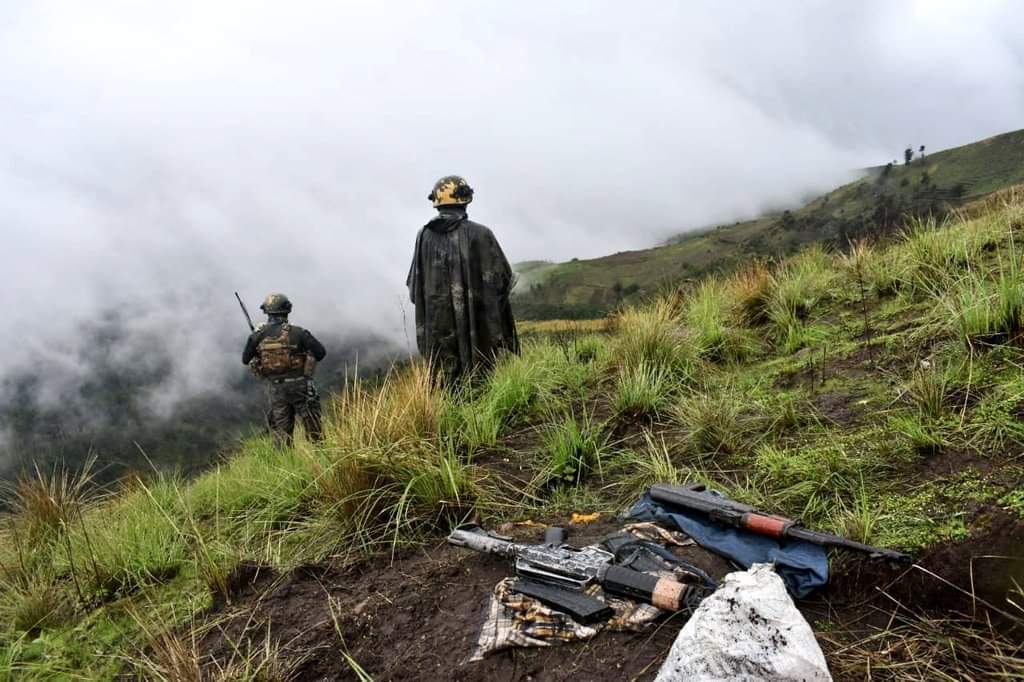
[
  {"x": 878, "y": 394},
  {"x": 872, "y": 205}
]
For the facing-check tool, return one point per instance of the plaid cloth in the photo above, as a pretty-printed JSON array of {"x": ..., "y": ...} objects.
[{"x": 515, "y": 620}]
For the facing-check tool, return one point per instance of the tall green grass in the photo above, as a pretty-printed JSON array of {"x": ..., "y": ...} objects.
[
  {"x": 635, "y": 470},
  {"x": 653, "y": 337},
  {"x": 996, "y": 424},
  {"x": 713, "y": 420},
  {"x": 798, "y": 287},
  {"x": 983, "y": 310},
  {"x": 398, "y": 464},
  {"x": 812, "y": 481},
  {"x": 522, "y": 386},
  {"x": 644, "y": 390},
  {"x": 574, "y": 448},
  {"x": 712, "y": 318},
  {"x": 134, "y": 541}
]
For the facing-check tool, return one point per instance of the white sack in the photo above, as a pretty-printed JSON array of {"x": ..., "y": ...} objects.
[{"x": 748, "y": 630}]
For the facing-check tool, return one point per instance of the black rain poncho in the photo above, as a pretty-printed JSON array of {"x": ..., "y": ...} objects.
[{"x": 460, "y": 283}]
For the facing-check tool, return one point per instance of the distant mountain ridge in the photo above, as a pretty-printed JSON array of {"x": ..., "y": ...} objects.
[{"x": 872, "y": 205}]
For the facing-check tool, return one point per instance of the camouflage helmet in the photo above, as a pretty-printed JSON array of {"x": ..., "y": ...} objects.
[
  {"x": 276, "y": 304},
  {"x": 451, "y": 190}
]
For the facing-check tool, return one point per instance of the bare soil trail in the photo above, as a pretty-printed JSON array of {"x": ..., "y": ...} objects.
[{"x": 417, "y": 616}]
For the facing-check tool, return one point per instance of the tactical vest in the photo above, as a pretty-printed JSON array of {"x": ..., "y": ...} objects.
[{"x": 278, "y": 357}]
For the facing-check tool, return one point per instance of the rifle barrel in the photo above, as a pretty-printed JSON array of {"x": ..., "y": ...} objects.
[
  {"x": 245, "y": 312},
  {"x": 829, "y": 540}
]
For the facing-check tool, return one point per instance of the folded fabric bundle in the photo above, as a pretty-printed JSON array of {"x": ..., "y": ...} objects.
[{"x": 803, "y": 566}]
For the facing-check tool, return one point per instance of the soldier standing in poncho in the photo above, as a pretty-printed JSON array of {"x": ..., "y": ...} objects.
[{"x": 460, "y": 283}]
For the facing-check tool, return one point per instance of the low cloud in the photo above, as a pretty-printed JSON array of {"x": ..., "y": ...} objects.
[{"x": 156, "y": 157}]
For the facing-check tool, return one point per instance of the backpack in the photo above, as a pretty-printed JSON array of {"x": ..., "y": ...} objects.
[{"x": 277, "y": 357}]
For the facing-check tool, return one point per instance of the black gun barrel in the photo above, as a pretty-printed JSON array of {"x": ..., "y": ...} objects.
[
  {"x": 245, "y": 312},
  {"x": 829, "y": 540}
]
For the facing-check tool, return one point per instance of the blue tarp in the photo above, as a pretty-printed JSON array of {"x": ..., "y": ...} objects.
[{"x": 803, "y": 566}]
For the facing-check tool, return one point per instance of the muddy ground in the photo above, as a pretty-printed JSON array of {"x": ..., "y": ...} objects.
[{"x": 418, "y": 617}]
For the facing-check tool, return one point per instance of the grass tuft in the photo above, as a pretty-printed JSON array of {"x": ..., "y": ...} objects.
[
  {"x": 984, "y": 311},
  {"x": 923, "y": 434},
  {"x": 751, "y": 289},
  {"x": 811, "y": 481},
  {"x": 134, "y": 542},
  {"x": 45, "y": 504},
  {"x": 520, "y": 386},
  {"x": 997, "y": 422},
  {"x": 643, "y": 390},
  {"x": 652, "y": 337},
  {"x": 33, "y": 602},
  {"x": 709, "y": 317},
  {"x": 574, "y": 450},
  {"x": 798, "y": 286},
  {"x": 634, "y": 471},
  {"x": 713, "y": 420},
  {"x": 929, "y": 387}
]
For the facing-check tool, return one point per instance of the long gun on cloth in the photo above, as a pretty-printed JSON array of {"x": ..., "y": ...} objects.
[
  {"x": 742, "y": 516},
  {"x": 556, "y": 563}
]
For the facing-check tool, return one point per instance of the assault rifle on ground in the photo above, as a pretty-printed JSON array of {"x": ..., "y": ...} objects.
[
  {"x": 744, "y": 517},
  {"x": 245, "y": 312},
  {"x": 564, "y": 572}
]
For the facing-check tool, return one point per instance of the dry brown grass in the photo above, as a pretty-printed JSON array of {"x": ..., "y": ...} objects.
[
  {"x": 986, "y": 644},
  {"x": 176, "y": 656},
  {"x": 406, "y": 407},
  {"x": 35, "y": 601},
  {"x": 44, "y": 503},
  {"x": 400, "y": 418},
  {"x": 914, "y": 648},
  {"x": 386, "y": 467},
  {"x": 751, "y": 290},
  {"x": 652, "y": 336},
  {"x": 528, "y": 327},
  {"x": 991, "y": 203}
]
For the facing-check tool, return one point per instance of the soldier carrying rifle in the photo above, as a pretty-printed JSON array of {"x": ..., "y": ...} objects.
[{"x": 285, "y": 356}]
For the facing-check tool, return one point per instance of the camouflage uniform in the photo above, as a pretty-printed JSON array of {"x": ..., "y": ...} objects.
[
  {"x": 291, "y": 391},
  {"x": 460, "y": 282}
]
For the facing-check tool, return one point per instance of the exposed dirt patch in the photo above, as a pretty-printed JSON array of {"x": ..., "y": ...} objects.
[
  {"x": 841, "y": 409},
  {"x": 818, "y": 366},
  {"x": 981, "y": 569},
  {"x": 241, "y": 582},
  {"x": 419, "y": 617},
  {"x": 950, "y": 461},
  {"x": 514, "y": 461}
]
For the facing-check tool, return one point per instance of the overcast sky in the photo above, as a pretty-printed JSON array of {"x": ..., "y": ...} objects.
[{"x": 172, "y": 152}]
